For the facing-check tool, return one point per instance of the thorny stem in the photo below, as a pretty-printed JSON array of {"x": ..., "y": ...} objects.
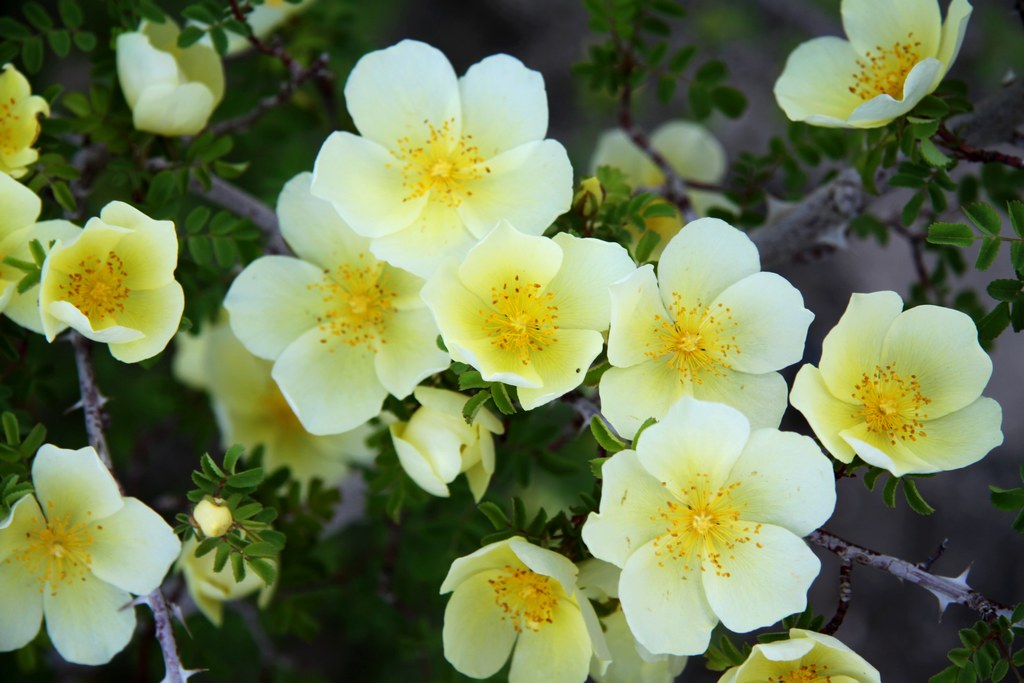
[
  {"x": 962, "y": 150},
  {"x": 92, "y": 402},
  {"x": 845, "y": 593},
  {"x": 946, "y": 589}
]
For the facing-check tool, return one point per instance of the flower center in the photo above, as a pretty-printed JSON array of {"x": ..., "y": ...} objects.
[
  {"x": 97, "y": 288},
  {"x": 58, "y": 553},
  {"x": 695, "y": 341},
  {"x": 522, "y": 319},
  {"x": 884, "y": 70},
  {"x": 705, "y": 523},
  {"x": 527, "y": 598},
  {"x": 442, "y": 167},
  {"x": 807, "y": 673},
  {"x": 892, "y": 404},
  {"x": 8, "y": 122},
  {"x": 360, "y": 305}
]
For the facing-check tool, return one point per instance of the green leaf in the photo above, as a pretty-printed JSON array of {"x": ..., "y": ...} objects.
[
  {"x": 220, "y": 40},
  {"x": 494, "y": 514},
  {"x": 246, "y": 478},
  {"x": 914, "y": 499},
  {"x": 984, "y": 216},
  {"x": 954, "y": 234},
  {"x": 681, "y": 59},
  {"x": 889, "y": 492},
  {"x": 993, "y": 324},
  {"x": 264, "y": 569},
  {"x": 200, "y": 13},
  {"x": 221, "y": 558},
  {"x": 471, "y": 379},
  {"x": 988, "y": 252},
  {"x": 189, "y": 36},
  {"x": 1017, "y": 256},
  {"x": 84, "y": 40},
  {"x": 503, "y": 399},
  {"x": 77, "y": 103},
  {"x": 231, "y": 457},
  {"x": 62, "y": 194},
  {"x": 924, "y": 128},
  {"x": 729, "y": 101},
  {"x": 225, "y": 251},
  {"x": 261, "y": 549},
  {"x": 1004, "y": 289},
  {"x": 1007, "y": 500},
  {"x": 161, "y": 188},
  {"x": 12, "y": 29},
  {"x": 645, "y": 247},
  {"x": 206, "y": 546},
  {"x": 933, "y": 156},
  {"x": 60, "y": 42},
  {"x": 196, "y": 219},
  {"x": 35, "y": 438},
  {"x": 246, "y": 511},
  {"x": 604, "y": 435},
  {"x": 474, "y": 404},
  {"x": 11, "y": 430},
  {"x": 237, "y": 567},
  {"x": 666, "y": 88},
  {"x": 912, "y": 208},
  {"x": 37, "y": 15},
  {"x": 597, "y": 465},
  {"x": 947, "y": 675},
  {"x": 70, "y": 13},
  {"x": 712, "y": 72},
  {"x": 1015, "y": 208},
  {"x": 32, "y": 54},
  {"x": 201, "y": 250},
  {"x": 700, "y": 101}
]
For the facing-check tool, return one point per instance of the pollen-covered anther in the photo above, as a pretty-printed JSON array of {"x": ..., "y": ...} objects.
[
  {"x": 883, "y": 71},
  {"x": 58, "y": 553},
  {"x": 695, "y": 341},
  {"x": 806, "y": 673},
  {"x": 527, "y": 598},
  {"x": 360, "y": 305},
  {"x": 97, "y": 287},
  {"x": 893, "y": 404},
  {"x": 522, "y": 320},
  {"x": 443, "y": 165}
]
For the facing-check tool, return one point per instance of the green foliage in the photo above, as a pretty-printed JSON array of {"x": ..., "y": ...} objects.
[
  {"x": 27, "y": 39},
  {"x": 1011, "y": 500},
  {"x": 987, "y": 651}
]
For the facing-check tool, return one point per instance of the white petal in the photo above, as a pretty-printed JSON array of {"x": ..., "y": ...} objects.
[
  {"x": 86, "y": 622},
  {"x": 879, "y": 450},
  {"x": 874, "y": 24},
  {"x": 416, "y": 464},
  {"x": 21, "y": 206},
  {"x": 561, "y": 366},
  {"x": 761, "y": 398},
  {"x": 529, "y": 186},
  {"x": 157, "y": 314},
  {"x": 631, "y": 395},
  {"x": 615, "y": 148},
  {"x": 953, "y": 30},
  {"x": 581, "y": 287},
  {"x": 785, "y": 480},
  {"x": 74, "y": 483},
  {"x": 827, "y": 415},
  {"x": 437, "y": 233},
  {"x": 546, "y": 562},
  {"x": 21, "y": 603},
  {"x": 881, "y": 109},
  {"x": 332, "y": 387},
  {"x": 692, "y": 151},
  {"x": 391, "y": 92},
  {"x": 140, "y": 65},
  {"x": 504, "y": 104},
  {"x": 764, "y": 579},
  {"x": 408, "y": 352},
  {"x": 506, "y": 257},
  {"x": 476, "y": 635},
  {"x": 559, "y": 652},
  {"x": 816, "y": 80},
  {"x": 133, "y": 548},
  {"x": 664, "y": 602},
  {"x": 705, "y": 257},
  {"x": 854, "y": 345},
  {"x": 273, "y": 302},
  {"x": 492, "y": 556},
  {"x": 364, "y": 183},
  {"x": 696, "y": 439},
  {"x": 313, "y": 228},
  {"x": 630, "y": 497},
  {"x": 173, "y": 110},
  {"x": 939, "y": 347},
  {"x": 460, "y": 313},
  {"x": 636, "y": 311},
  {"x": 959, "y": 438}
]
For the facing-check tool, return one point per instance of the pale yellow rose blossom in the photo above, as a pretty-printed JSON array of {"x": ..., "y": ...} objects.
[
  {"x": 806, "y": 657},
  {"x": 19, "y": 122},
  {"x": 211, "y": 589}
]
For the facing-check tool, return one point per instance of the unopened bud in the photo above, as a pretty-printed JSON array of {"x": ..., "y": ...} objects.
[
  {"x": 213, "y": 517},
  {"x": 589, "y": 197}
]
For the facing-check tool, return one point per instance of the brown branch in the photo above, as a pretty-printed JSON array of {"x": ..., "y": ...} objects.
[
  {"x": 845, "y": 593},
  {"x": 966, "y": 152},
  {"x": 946, "y": 589},
  {"x": 174, "y": 672}
]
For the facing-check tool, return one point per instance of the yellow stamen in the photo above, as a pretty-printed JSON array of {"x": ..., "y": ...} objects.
[
  {"x": 807, "y": 673},
  {"x": 444, "y": 166},
  {"x": 522, "y": 320},
  {"x": 360, "y": 303},
  {"x": 892, "y": 404},
  {"x": 527, "y": 598},
  {"x": 694, "y": 341},
  {"x": 57, "y": 554},
  {"x": 97, "y": 289},
  {"x": 884, "y": 70}
]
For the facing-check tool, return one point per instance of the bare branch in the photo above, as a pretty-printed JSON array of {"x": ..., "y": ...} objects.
[
  {"x": 845, "y": 593},
  {"x": 946, "y": 589},
  {"x": 174, "y": 672},
  {"x": 238, "y": 201},
  {"x": 92, "y": 400}
]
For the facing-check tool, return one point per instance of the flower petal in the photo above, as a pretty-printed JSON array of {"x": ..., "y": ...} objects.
[
  {"x": 529, "y": 186},
  {"x": 631, "y": 395},
  {"x": 173, "y": 110},
  {"x": 21, "y": 205},
  {"x": 391, "y": 92},
  {"x": 854, "y": 345},
  {"x": 881, "y": 451},
  {"x": 21, "y": 603},
  {"x": 507, "y": 256},
  {"x": 491, "y": 556},
  {"x": 419, "y": 248},
  {"x": 939, "y": 348},
  {"x": 785, "y": 480},
  {"x": 762, "y": 580},
  {"x": 141, "y": 66},
  {"x": 705, "y": 257},
  {"x": 630, "y": 498},
  {"x": 615, "y": 148},
  {"x": 581, "y": 287},
  {"x": 332, "y": 387},
  {"x": 547, "y": 562},
  {"x": 272, "y": 304},
  {"x": 692, "y": 151},
  {"x": 769, "y": 322},
  {"x": 408, "y": 352},
  {"x": 761, "y": 398},
  {"x": 953, "y": 30},
  {"x": 477, "y": 636},
  {"x": 559, "y": 652},
  {"x": 416, "y": 463},
  {"x": 882, "y": 109},
  {"x": 313, "y": 228},
  {"x": 504, "y": 104},
  {"x": 364, "y": 183},
  {"x": 636, "y": 309},
  {"x": 561, "y": 366},
  {"x": 827, "y": 415},
  {"x": 156, "y": 313},
  {"x": 815, "y": 82},
  {"x": 74, "y": 483},
  {"x": 695, "y": 439},
  {"x": 87, "y": 620},
  {"x": 664, "y": 602},
  {"x": 874, "y": 25},
  {"x": 133, "y": 548}
]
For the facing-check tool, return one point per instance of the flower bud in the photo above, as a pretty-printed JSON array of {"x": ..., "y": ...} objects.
[
  {"x": 213, "y": 517},
  {"x": 589, "y": 197}
]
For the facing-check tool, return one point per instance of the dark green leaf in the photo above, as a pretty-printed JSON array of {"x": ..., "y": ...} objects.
[
  {"x": 494, "y": 514},
  {"x": 985, "y": 217},
  {"x": 62, "y": 194},
  {"x": 60, "y": 42},
  {"x": 264, "y": 569},
  {"x": 220, "y": 40},
  {"x": 206, "y": 546},
  {"x": 84, "y": 40},
  {"x": 13, "y": 29},
  {"x": 912, "y": 208},
  {"x": 189, "y": 36},
  {"x": 32, "y": 54},
  {"x": 604, "y": 435},
  {"x": 889, "y": 492},
  {"x": 503, "y": 399},
  {"x": 645, "y": 247},
  {"x": 914, "y": 499},
  {"x": 37, "y": 15},
  {"x": 246, "y": 478},
  {"x": 988, "y": 252},
  {"x": 700, "y": 101},
  {"x": 200, "y": 13},
  {"x": 681, "y": 59},
  {"x": 11, "y": 430},
  {"x": 474, "y": 404},
  {"x": 1015, "y": 208},
  {"x": 1004, "y": 289},
  {"x": 260, "y": 549},
  {"x": 70, "y": 13},
  {"x": 471, "y": 379},
  {"x": 712, "y": 72},
  {"x": 993, "y": 324},
  {"x": 221, "y": 558},
  {"x": 196, "y": 219},
  {"x": 201, "y": 250},
  {"x": 955, "y": 234},
  {"x": 231, "y": 457},
  {"x": 729, "y": 101},
  {"x": 933, "y": 156}
]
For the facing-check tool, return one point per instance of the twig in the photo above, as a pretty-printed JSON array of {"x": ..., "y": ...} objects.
[
  {"x": 946, "y": 589},
  {"x": 962, "y": 150},
  {"x": 934, "y": 557},
  {"x": 174, "y": 672},
  {"x": 845, "y": 593},
  {"x": 916, "y": 242}
]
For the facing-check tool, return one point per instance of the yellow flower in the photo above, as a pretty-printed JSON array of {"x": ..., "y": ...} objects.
[
  {"x": 114, "y": 283},
  {"x": 436, "y": 444},
  {"x": 342, "y": 328},
  {"x": 211, "y": 589},
  {"x": 19, "y": 122},
  {"x": 705, "y": 520},
  {"x": 76, "y": 551},
  {"x": 806, "y": 657},
  {"x": 901, "y": 389},
  {"x": 897, "y": 53},
  {"x": 526, "y": 310},
  {"x": 442, "y": 159},
  {"x": 171, "y": 91},
  {"x": 250, "y": 409},
  {"x": 513, "y": 594},
  {"x": 709, "y": 325},
  {"x": 692, "y": 152}
]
